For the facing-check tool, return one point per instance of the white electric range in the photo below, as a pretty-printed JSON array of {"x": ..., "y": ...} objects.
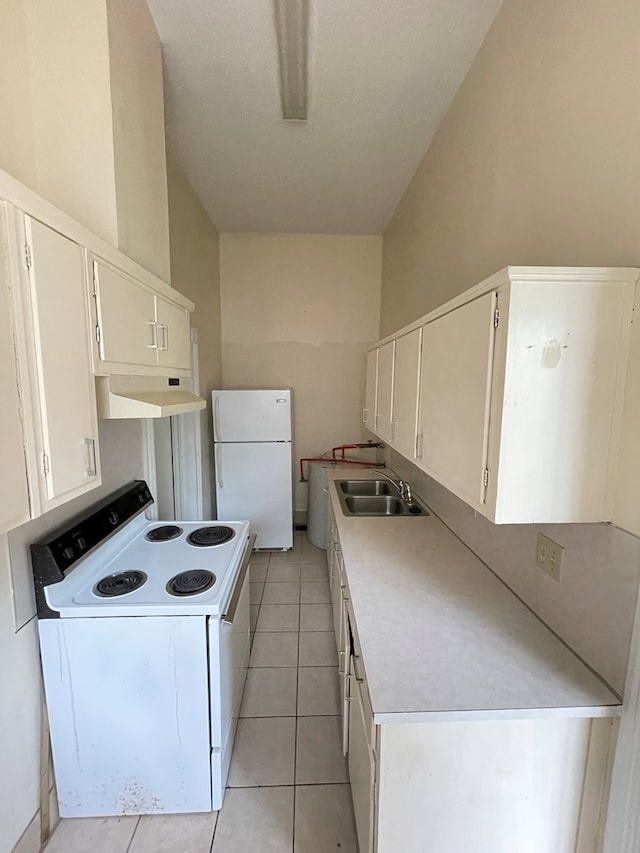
[{"x": 144, "y": 637}]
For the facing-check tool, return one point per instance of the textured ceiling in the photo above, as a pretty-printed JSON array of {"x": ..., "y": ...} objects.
[{"x": 382, "y": 74}]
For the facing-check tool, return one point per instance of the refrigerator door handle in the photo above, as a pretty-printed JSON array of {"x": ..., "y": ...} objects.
[
  {"x": 216, "y": 420},
  {"x": 219, "y": 467}
]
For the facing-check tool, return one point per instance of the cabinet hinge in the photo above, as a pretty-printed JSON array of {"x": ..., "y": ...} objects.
[
  {"x": 27, "y": 256},
  {"x": 45, "y": 463},
  {"x": 486, "y": 477},
  {"x": 496, "y": 317},
  {"x": 98, "y": 335}
]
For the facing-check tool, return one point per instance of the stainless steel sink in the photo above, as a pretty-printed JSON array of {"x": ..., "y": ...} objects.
[
  {"x": 364, "y": 487},
  {"x": 373, "y": 498}
]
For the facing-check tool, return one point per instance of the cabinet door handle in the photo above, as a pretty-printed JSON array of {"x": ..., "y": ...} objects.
[
  {"x": 164, "y": 338},
  {"x": 358, "y": 678},
  {"x": 365, "y": 416},
  {"x": 154, "y": 335},
  {"x": 92, "y": 467},
  {"x": 341, "y": 657},
  {"x": 419, "y": 445}
]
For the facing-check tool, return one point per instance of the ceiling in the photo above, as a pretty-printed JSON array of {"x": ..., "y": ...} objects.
[{"x": 381, "y": 76}]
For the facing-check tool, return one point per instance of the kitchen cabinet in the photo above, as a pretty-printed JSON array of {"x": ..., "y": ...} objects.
[
  {"x": 55, "y": 364},
  {"x": 137, "y": 329},
  {"x": 455, "y": 385},
  {"x": 369, "y": 411},
  {"x": 362, "y": 764},
  {"x": 406, "y": 373},
  {"x": 14, "y": 494},
  {"x": 383, "y": 422},
  {"x": 521, "y": 393}
]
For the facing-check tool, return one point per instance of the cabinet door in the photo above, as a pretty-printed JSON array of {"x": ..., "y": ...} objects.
[
  {"x": 14, "y": 494},
  {"x": 384, "y": 395},
  {"x": 369, "y": 411},
  {"x": 126, "y": 317},
  {"x": 457, "y": 356},
  {"x": 174, "y": 335},
  {"x": 362, "y": 771},
  {"x": 65, "y": 385},
  {"x": 406, "y": 391}
]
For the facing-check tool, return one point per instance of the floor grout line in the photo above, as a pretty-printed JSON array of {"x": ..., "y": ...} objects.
[{"x": 135, "y": 829}]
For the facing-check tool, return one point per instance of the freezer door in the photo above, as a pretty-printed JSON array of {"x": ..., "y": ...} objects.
[
  {"x": 254, "y": 481},
  {"x": 252, "y": 415}
]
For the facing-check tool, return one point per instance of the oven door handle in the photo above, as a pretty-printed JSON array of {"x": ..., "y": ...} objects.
[{"x": 229, "y": 616}]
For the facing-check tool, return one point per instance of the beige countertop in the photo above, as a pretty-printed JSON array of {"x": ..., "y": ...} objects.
[{"x": 442, "y": 638}]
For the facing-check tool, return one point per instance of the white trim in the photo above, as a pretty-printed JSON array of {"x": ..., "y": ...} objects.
[
  {"x": 622, "y": 833},
  {"x": 149, "y": 465},
  {"x": 186, "y": 443}
]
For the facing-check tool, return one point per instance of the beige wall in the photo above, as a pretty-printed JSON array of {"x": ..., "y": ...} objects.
[
  {"x": 195, "y": 271},
  {"x": 82, "y": 118},
  {"x": 138, "y": 135},
  {"x": 298, "y": 312},
  {"x": 121, "y": 454},
  {"x": 535, "y": 163}
]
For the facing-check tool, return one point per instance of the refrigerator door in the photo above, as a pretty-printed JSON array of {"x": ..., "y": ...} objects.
[
  {"x": 252, "y": 415},
  {"x": 254, "y": 481}
]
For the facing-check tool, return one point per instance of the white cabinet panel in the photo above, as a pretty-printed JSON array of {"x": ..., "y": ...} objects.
[
  {"x": 384, "y": 392},
  {"x": 14, "y": 493},
  {"x": 65, "y": 385},
  {"x": 369, "y": 412},
  {"x": 174, "y": 335},
  {"x": 126, "y": 316},
  {"x": 457, "y": 352},
  {"x": 406, "y": 374},
  {"x": 362, "y": 771}
]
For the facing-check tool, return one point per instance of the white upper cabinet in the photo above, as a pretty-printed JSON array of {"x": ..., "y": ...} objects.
[
  {"x": 14, "y": 493},
  {"x": 457, "y": 352},
  {"x": 406, "y": 374},
  {"x": 383, "y": 422},
  {"x": 174, "y": 335},
  {"x": 369, "y": 411},
  {"x": 137, "y": 329},
  {"x": 522, "y": 386},
  {"x": 64, "y": 456}
]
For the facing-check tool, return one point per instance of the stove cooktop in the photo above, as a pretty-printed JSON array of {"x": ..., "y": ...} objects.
[{"x": 149, "y": 568}]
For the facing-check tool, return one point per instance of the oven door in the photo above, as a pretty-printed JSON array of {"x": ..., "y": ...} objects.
[{"x": 230, "y": 638}]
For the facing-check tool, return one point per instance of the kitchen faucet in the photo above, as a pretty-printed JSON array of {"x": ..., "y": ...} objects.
[{"x": 403, "y": 489}]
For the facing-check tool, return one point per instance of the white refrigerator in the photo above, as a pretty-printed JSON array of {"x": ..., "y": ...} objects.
[{"x": 252, "y": 452}]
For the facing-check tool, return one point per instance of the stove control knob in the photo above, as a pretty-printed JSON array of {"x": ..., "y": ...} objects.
[
  {"x": 81, "y": 543},
  {"x": 113, "y": 518},
  {"x": 68, "y": 553}
]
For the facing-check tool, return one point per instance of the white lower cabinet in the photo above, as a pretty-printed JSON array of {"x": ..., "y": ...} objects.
[{"x": 362, "y": 768}]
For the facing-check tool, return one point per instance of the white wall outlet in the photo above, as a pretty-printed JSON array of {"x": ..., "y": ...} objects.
[{"x": 549, "y": 556}]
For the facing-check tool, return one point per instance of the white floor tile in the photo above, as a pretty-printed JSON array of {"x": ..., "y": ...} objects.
[
  {"x": 255, "y": 593},
  {"x": 264, "y": 752},
  {"x": 313, "y": 572},
  {"x": 278, "y": 617},
  {"x": 316, "y": 617},
  {"x": 315, "y": 593},
  {"x": 324, "y": 819},
  {"x": 275, "y": 649},
  {"x": 283, "y": 572},
  {"x": 318, "y": 648},
  {"x": 270, "y": 692},
  {"x": 319, "y": 757},
  {"x": 281, "y": 593},
  {"x": 259, "y": 558},
  {"x": 313, "y": 556},
  {"x": 174, "y": 833},
  {"x": 95, "y": 834},
  {"x": 318, "y": 690},
  {"x": 255, "y": 820},
  {"x": 258, "y": 572}
]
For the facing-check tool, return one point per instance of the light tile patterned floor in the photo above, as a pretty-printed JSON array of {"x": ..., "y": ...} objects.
[{"x": 288, "y": 783}]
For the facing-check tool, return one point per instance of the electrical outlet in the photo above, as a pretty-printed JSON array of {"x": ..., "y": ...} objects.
[{"x": 549, "y": 557}]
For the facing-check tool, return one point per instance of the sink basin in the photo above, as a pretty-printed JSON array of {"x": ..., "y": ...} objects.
[
  {"x": 365, "y": 487},
  {"x": 374, "y": 498}
]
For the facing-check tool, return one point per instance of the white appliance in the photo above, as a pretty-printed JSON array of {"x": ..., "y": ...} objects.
[
  {"x": 144, "y": 638},
  {"x": 254, "y": 480}
]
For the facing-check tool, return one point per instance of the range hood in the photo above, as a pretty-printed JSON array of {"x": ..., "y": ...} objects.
[{"x": 144, "y": 397}]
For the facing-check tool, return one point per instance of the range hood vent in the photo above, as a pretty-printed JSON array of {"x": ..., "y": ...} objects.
[{"x": 144, "y": 397}]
